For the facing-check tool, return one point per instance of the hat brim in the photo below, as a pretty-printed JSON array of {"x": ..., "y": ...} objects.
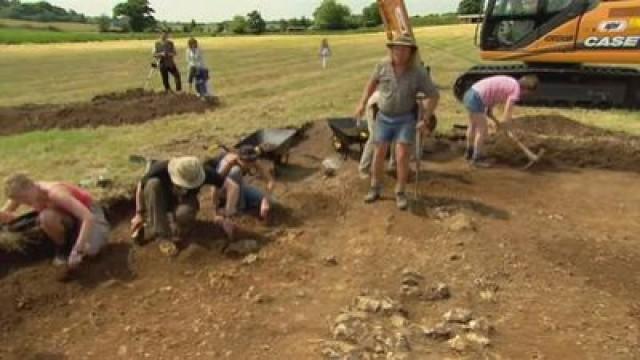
[
  {"x": 402, "y": 44},
  {"x": 178, "y": 180}
]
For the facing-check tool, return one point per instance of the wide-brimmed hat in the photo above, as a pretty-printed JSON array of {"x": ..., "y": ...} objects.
[
  {"x": 186, "y": 172},
  {"x": 403, "y": 40}
]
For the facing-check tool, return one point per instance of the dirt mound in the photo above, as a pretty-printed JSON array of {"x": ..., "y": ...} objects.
[
  {"x": 114, "y": 109},
  {"x": 568, "y": 143}
]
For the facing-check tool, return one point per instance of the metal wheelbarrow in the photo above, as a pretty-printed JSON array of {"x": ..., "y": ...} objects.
[{"x": 346, "y": 132}]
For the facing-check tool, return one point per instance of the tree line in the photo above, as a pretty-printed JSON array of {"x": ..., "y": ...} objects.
[
  {"x": 138, "y": 16},
  {"x": 329, "y": 15},
  {"x": 38, "y": 11}
]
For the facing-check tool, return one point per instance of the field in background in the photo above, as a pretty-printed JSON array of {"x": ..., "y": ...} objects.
[{"x": 263, "y": 82}]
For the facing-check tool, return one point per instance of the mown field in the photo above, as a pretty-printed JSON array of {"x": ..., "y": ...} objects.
[{"x": 263, "y": 82}]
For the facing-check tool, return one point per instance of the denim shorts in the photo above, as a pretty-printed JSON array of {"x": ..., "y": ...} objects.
[
  {"x": 397, "y": 129},
  {"x": 473, "y": 102}
]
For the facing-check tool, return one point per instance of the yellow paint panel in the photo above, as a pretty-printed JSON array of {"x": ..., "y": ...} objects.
[{"x": 634, "y": 23}]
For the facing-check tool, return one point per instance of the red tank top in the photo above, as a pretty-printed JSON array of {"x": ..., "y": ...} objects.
[{"x": 79, "y": 194}]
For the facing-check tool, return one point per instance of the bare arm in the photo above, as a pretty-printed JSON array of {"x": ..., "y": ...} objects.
[
  {"x": 233, "y": 195},
  {"x": 429, "y": 106},
  {"x": 139, "y": 199},
  {"x": 508, "y": 110},
  {"x": 266, "y": 175},
  {"x": 65, "y": 201},
  {"x": 7, "y": 211},
  {"x": 369, "y": 89}
]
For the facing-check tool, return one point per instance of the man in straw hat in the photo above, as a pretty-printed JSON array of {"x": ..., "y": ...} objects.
[
  {"x": 398, "y": 78},
  {"x": 167, "y": 198}
]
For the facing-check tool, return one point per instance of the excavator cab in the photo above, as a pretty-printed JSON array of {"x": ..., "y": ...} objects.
[{"x": 516, "y": 24}]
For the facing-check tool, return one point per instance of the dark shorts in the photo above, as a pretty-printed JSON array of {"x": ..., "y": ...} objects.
[{"x": 473, "y": 102}]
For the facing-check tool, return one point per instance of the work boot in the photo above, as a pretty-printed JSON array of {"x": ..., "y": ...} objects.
[
  {"x": 401, "y": 201},
  {"x": 373, "y": 194}
]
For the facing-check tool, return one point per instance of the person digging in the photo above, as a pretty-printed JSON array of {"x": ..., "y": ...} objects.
[
  {"x": 399, "y": 79},
  {"x": 480, "y": 100},
  {"x": 167, "y": 201},
  {"x": 236, "y": 165},
  {"x": 67, "y": 214}
]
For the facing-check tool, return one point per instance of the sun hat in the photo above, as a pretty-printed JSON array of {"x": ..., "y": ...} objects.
[
  {"x": 403, "y": 40},
  {"x": 186, "y": 172}
]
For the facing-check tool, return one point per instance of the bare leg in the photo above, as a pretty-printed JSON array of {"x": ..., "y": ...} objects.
[
  {"x": 52, "y": 223},
  {"x": 480, "y": 122},
  {"x": 402, "y": 154},
  {"x": 471, "y": 138},
  {"x": 378, "y": 164}
]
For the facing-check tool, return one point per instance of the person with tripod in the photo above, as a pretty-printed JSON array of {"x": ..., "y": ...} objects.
[{"x": 165, "y": 52}]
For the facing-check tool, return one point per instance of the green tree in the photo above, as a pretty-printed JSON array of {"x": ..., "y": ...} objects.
[
  {"x": 255, "y": 23},
  {"x": 238, "y": 25},
  {"x": 371, "y": 15},
  {"x": 139, "y": 12},
  {"x": 331, "y": 15},
  {"x": 104, "y": 23},
  {"x": 470, "y": 7}
]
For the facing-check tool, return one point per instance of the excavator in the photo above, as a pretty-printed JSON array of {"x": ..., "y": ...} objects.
[{"x": 571, "y": 45}]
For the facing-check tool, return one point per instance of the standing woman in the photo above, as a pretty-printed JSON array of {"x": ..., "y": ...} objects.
[
  {"x": 198, "y": 72},
  {"x": 68, "y": 215},
  {"x": 325, "y": 53},
  {"x": 399, "y": 79}
]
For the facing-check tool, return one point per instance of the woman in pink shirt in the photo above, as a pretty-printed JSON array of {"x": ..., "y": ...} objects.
[
  {"x": 480, "y": 100},
  {"x": 68, "y": 215}
]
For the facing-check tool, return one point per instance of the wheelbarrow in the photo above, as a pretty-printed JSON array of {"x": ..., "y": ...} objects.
[
  {"x": 347, "y": 132},
  {"x": 274, "y": 144}
]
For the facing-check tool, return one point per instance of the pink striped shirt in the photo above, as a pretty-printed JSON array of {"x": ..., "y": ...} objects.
[{"x": 497, "y": 90}]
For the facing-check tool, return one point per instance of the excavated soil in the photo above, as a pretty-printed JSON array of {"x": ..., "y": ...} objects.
[
  {"x": 567, "y": 143},
  {"x": 548, "y": 260},
  {"x": 115, "y": 109}
]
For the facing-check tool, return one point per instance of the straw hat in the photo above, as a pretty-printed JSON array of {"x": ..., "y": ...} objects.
[
  {"x": 186, "y": 172},
  {"x": 403, "y": 40}
]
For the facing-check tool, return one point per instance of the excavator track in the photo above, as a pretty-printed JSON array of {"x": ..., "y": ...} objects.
[{"x": 576, "y": 86}]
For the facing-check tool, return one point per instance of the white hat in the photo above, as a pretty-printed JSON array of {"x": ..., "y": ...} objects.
[{"x": 186, "y": 172}]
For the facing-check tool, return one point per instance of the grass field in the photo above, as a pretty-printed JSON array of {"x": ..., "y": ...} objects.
[{"x": 263, "y": 81}]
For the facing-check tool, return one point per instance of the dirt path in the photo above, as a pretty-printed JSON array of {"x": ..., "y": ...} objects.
[{"x": 549, "y": 258}]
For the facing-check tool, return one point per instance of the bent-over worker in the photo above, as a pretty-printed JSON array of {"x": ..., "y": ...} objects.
[
  {"x": 67, "y": 214},
  {"x": 480, "y": 100},
  {"x": 167, "y": 199},
  {"x": 235, "y": 165}
]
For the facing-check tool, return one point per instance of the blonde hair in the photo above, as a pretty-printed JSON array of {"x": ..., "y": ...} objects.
[
  {"x": 529, "y": 82},
  {"x": 17, "y": 184}
]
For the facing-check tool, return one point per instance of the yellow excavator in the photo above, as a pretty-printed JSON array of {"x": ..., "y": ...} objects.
[{"x": 555, "y": 39}]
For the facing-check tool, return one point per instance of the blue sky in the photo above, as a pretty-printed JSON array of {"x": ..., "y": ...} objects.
[{"x": 216, "y": 10}]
